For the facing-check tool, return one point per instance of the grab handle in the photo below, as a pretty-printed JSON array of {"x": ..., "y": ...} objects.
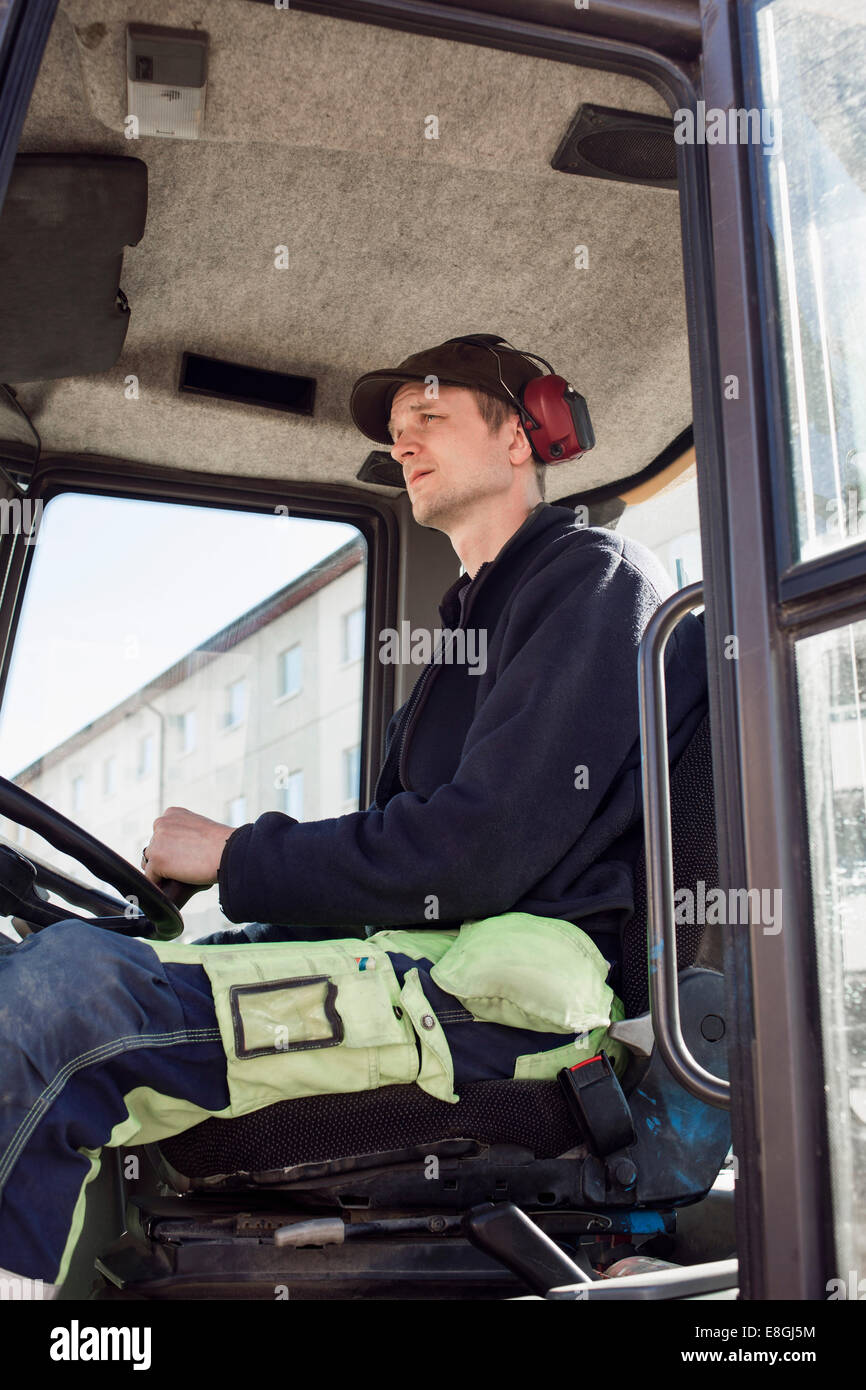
[{"x": 661, "y": 928}]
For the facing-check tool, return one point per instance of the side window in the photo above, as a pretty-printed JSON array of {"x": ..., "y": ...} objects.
[
  {"x": 813, "y": 185},
  {"x": 666, "y": 521},
  {"x": 135, "y": 686},
  {"x": 815, "y": 189}
]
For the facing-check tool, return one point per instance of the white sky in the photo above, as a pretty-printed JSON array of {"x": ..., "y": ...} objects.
[{"x": 119, "y": 590}]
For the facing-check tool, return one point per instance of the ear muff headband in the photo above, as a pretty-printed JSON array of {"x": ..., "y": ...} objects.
[{"x": 554, "y": 416}]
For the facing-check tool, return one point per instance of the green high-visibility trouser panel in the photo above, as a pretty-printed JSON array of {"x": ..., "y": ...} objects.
[{"x": 314, "y": 1018}]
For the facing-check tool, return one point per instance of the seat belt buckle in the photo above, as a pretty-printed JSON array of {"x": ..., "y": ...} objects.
[{"x": 597, "y": 1101}]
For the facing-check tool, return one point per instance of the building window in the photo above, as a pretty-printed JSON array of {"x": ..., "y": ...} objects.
[
  {"x": 145, "y": 755},
  {"x": 77, "y": 794},
  {"x": 236, "y": 704},
  {"x": 237, "y": 811},
  {"x": 109, "y": 776},
  {"x": 289, "y": 671},
  {"x": 353, "y": 635},
  {"x": 351, "y": 772},
  {"x": 293, "y": 795},
  {"x": 187, "y": 731}
]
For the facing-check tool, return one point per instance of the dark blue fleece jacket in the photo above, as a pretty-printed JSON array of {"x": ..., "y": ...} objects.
[{"x": 513, "y": 789}]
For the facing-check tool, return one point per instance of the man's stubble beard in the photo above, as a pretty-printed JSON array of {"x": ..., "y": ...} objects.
[{"x": 446, "y": 507}]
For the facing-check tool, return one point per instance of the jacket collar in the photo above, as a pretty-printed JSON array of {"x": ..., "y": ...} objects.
[{"x": 543, "y": 515}]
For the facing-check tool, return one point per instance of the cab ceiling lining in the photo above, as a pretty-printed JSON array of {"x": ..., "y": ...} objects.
[{"x": 314, "y": 140}]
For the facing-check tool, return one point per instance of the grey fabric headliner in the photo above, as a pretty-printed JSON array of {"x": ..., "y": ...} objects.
[{"x": 314, "y": 139}]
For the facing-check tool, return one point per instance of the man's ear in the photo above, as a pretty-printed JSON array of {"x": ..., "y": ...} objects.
[{"x": 519, "y": 447}]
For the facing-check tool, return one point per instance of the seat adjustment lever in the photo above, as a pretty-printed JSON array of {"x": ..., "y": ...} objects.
[{"x": 506, "y": 1233}]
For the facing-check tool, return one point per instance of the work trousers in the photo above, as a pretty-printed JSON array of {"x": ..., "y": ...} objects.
[{"x": 104, "y": 1043}]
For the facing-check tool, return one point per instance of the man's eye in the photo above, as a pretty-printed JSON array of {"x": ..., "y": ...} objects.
[{"x": 426, "y": 415}]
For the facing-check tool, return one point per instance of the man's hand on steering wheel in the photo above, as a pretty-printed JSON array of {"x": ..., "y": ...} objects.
[
  {"x": 154, "y": 901},
  {"x": 186, "y": 847}
]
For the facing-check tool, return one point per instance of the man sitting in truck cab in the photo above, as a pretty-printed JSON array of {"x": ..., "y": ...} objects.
[{"x": 492, "y": 872}]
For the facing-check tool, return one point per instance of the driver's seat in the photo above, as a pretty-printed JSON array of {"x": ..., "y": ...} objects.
[{"x": 384, "y": 1193}]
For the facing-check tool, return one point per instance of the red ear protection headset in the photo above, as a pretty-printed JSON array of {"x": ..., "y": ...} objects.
[{"x": 554, "y": 416}]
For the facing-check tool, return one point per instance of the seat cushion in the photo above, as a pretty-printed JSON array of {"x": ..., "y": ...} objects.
[{"x": 393, "y": 1119}]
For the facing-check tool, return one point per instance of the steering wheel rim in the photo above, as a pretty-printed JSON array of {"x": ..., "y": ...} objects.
[{"x": 64, "y": 835}]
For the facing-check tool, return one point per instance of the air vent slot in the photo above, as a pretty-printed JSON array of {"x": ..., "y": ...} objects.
[{"x": 229, "y": 381}]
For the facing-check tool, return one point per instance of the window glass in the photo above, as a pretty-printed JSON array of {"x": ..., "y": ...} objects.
[
  {"x": 187, "y": 731},
  {"x": 290, "y": 670},
  {"x": 668, "y": 524},
  {"x": 353, "y": 635},
  {"x": 109, "y": 776},
  {"x": 137, "y": 685},
  {"x": 236, "y": 704},
  {"x": 293, "y": 795},
  {"x": 145, "y": 755},
  {"x": 831, "y": 670},
  {"x": 812, "y": 55},
  {"x": 351, "y": 772}
]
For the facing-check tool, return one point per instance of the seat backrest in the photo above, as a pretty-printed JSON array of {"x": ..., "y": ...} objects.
[{"x": 695, "y": 853}]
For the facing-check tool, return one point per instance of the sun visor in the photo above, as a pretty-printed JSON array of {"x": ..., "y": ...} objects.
[{"x": 63, "y": 227}]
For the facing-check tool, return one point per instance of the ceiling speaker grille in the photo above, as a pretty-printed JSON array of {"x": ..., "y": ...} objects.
[
  {"x": 641, "y": 155},
  {"x": 605, "y": 144}
]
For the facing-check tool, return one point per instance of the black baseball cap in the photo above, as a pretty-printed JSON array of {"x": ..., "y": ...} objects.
[{"x": 453, "y": 363}]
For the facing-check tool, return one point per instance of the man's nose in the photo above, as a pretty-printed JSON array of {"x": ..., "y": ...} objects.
[{"x": 406, "y": 446}]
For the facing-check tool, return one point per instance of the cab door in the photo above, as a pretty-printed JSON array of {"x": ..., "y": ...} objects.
[{"x": 788, "y": 214}]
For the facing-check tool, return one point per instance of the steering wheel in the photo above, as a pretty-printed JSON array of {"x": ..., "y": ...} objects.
[{"x": 158, "y": 906}]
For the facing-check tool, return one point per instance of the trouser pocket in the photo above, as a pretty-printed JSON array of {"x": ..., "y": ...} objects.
[{"x": 308, "y": 1018}]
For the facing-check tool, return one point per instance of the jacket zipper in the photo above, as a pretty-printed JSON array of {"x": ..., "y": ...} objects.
[
  {"x": 422, "y": 679},
  {"x": 416, "y": 694},
  {"x": 395, "y": 752}
]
